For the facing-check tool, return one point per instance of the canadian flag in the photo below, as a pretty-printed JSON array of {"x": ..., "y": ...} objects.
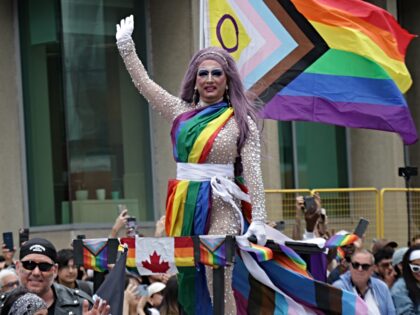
[{"x": 155, "y": 255}]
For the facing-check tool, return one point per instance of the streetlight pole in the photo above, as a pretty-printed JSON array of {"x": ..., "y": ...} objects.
[{"x": 407, "y": 172}]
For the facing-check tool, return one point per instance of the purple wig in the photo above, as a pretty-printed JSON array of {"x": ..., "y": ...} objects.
[{"x": 241, "y": 100}]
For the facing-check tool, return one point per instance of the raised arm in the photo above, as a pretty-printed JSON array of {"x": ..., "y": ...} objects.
[
  {"x": 165, "y": 103},
  {"x": 251, "y": 162}
]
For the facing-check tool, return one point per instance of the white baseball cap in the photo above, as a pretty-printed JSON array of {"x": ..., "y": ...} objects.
[{"x": 155, "y": 287}]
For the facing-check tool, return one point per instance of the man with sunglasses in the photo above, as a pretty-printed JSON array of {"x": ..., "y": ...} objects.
[
  {"x": 372, "y": 290},
  {"x": 37, "y": 270},
  {"x": 383, "y": 266}
]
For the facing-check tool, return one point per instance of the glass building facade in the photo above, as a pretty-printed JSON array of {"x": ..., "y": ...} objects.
[{"x": 86, "y": 127}]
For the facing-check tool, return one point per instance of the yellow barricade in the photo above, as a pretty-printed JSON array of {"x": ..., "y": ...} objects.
[
  {"x": 281, "y": 206},
  {"x": 394, "y": 204},
  {"x": 344, "y": 208}
]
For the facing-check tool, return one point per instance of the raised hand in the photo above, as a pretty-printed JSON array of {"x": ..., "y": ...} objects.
[
  {"x": 125, "y": 29},
  {"x": 257, "y": 229},
  {"x": 99, "y": 308}
]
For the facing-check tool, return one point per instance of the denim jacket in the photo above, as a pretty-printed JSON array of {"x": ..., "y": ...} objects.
[
  {"x": 379, "y": 289},
  {"x": 403, "y": 303}
]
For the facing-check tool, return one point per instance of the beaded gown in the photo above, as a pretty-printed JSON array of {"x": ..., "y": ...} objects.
[{"x": 223, "y": 219}]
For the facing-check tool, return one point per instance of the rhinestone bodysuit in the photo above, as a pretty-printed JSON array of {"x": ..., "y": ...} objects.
[{"x": 224, "y": 219}]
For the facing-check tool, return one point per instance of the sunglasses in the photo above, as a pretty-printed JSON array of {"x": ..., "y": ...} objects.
[
  {"x": 202, "y": 73},
  {"x": 385, "y": 265},
  {"x": 415, "y": 268},
  {"x": 31, "y": 265},
  {"x": 357, "y": 265}
]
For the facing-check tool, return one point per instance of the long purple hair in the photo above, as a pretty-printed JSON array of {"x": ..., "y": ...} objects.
[{"x": 242, "y": 101}]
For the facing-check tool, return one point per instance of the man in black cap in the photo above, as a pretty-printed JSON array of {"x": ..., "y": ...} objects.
[{"x": 37, "y": 270}]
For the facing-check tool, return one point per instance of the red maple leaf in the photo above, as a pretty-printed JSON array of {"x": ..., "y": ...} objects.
[{"x": 154, "y": 265}]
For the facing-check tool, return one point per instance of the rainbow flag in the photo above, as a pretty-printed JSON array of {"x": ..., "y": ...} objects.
[
  {"x": 293, "y": 256},
  {"x": 184, "y": 251},
  {"x": 341, "y": 240},
  {"x": 187, "y": 207},
  {"x": 340, "y": 254},
  {"x": 131, "y": 253},
  {"x": 212, "y": 250},
  {"x": 261, "y": 253},
  {"x": 193, "y": 132},
  {"x": 281, "y": 286},
  {"x": 95, "y": 254},
  {"x": 354, "y": 74}
]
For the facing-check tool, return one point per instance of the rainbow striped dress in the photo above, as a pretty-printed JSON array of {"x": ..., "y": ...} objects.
[{"x": 188, "y": 202}]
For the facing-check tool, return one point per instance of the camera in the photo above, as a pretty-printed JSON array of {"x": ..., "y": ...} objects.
[
  {"x": 131, "y": 226},
  {"x": 310, "y": 204}
]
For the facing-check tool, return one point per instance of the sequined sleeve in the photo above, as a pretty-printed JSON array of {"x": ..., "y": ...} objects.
[
  {"x": 163, "y": 102},
  {"x": 251, "y": 162}
]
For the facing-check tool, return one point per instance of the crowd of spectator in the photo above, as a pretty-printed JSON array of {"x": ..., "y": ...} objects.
[{"x": 47, "y": 281}]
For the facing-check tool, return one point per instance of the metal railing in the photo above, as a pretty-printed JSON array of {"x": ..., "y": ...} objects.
[
  {"x": 394, "y": 205},
  {"x": 386, "y": 210}
]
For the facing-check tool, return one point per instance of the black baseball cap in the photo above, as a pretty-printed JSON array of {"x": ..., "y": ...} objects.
[{"x": 39, "y": 246}]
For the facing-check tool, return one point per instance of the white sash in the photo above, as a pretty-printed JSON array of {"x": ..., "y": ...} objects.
[{"x": 218, "y": 175}]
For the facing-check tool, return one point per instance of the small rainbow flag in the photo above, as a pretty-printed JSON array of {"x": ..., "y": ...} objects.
[
  {"x": 293, "y": 256},
  {"x": 341, "y": 240},
  {"x": 184, "y": 251},
  {"x": 261, "y": 253},
  {"x": 212, "y": 250},
  {"x": 131, "y": 254},
  {"x": 95, "y": 254},
  {"x": 340, "y": 254}
]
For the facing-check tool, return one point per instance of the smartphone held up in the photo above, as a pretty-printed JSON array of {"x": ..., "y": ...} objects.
[
  {"x": 310, "y": 204},
  {"x": 8, "y": 240}
]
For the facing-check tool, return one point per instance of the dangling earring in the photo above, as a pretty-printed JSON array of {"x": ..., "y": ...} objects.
[
  {"x": 196, "y": 96},
  {"x": 227, "y": 96}
]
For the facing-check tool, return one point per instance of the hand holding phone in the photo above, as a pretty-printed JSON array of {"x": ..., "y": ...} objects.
[
  {"x": 8, "y": 241},
  {"x": 361, "y": 227},
  {"x": 131, "y": 226},
  {"x": 310, "y": 204},
  {"x": 142, "y": 290}
]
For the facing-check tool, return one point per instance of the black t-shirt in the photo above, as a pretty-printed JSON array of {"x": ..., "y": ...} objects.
[{"x": 51, "y": 309}]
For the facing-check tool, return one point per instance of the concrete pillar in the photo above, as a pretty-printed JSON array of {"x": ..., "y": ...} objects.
[{"x": 11, "y": 184}]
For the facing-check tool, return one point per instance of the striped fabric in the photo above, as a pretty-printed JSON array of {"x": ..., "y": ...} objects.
[
  {"x": 280, "y": 286},
  {"x": 359, "y": 78},
  {"x": 188, "y": 203},
  {"x": 187, "y": 207},
  {"x": 95, "y": 254},
  {"x": 184, "y": 251},
  {"x": 341, "y": 240},
  {"x": 261, "y": 253},
  {"x": 193, "y": 133},
  {"x": 212, "y": 251},
  {"x": 131, "y": 253}
]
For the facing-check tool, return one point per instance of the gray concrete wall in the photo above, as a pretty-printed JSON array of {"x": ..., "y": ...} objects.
[
  {"x": 11, "y": 187},
  {"x": 376, "y": 155},
  {"x": 172, "y": 45}
]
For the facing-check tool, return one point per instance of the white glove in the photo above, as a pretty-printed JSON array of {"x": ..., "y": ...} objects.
[
  {"x": 257, "y": 228},
  {"x": 125, "y": 29}
]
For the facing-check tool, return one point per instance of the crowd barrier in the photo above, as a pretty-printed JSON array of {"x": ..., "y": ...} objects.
[{"x": 386, "y": 210}]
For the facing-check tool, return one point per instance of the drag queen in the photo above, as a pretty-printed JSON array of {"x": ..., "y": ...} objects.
[{"x": 216, "y": 145}]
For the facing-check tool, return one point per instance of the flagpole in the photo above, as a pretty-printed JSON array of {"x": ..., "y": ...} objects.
[{"x": 201, "y": 27}]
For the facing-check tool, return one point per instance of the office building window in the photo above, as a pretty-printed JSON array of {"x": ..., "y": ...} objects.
[
  {"x": 86, "y": 127},
  {"x": 312, "y": 155}
]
